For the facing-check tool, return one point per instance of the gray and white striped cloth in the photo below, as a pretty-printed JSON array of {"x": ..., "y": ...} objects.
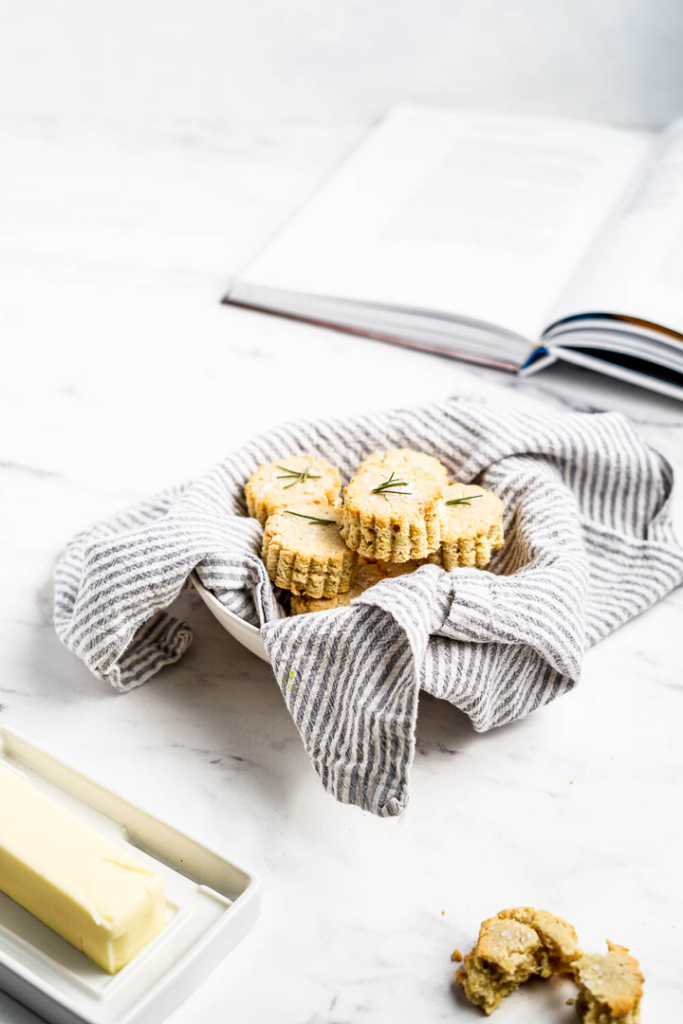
[{"x": 589, "y": 545}]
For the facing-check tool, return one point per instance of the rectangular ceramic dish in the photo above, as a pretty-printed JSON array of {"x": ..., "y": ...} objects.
[{"x": 210, "y": 905}]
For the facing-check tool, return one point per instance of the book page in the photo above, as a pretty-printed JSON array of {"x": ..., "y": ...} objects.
[
  {"x": 480, "y": 216},
  {"x": 635, "y": 268}
]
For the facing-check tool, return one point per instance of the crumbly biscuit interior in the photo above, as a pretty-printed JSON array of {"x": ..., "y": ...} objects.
[
  {"x": 519, "y": 943},
  {"x": 512, "y": 947},
  {"x": 610, "y": 987}
]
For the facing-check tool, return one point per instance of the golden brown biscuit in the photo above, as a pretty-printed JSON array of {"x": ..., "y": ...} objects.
[
  {"x": 304, "y": 552},
  {"x": 296, "y": 478},
  {"x": 610, "y": 987},
  {"x": 472, "y": 526},
  {"x": 513, "y": 946},
  {"x": 391, "y": 506},
  {"x": 368, "y": 574},
  {"x": 408, "y": 458}
]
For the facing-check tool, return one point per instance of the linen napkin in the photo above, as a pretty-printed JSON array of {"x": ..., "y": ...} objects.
[{"x": 589, "y": 544}]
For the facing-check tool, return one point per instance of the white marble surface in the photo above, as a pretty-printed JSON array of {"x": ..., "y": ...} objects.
[
  {"x": 121, "y": 374},
  {"x": 342, "y": 59}
]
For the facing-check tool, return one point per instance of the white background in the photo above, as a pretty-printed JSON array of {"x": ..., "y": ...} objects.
[{"x": 612, "y": 60}]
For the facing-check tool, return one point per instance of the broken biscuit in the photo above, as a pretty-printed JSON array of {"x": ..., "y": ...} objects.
[
  {"x": 512, "y": 947},
  {"x": 610, "y": 987}
]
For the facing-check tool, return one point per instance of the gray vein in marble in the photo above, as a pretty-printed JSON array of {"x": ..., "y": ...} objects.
[{"x": 16, "y": 467}]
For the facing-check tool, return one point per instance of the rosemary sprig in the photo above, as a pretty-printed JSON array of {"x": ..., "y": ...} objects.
[
  {"x": 299, "y": 477},
  {"x": 388, "y": 485},
  {"x": 463, "y": 501},
  {"x": 313, "y": 519}
]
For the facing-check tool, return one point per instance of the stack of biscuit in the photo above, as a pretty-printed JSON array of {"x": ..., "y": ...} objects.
[{"x": 399, "y": 511}]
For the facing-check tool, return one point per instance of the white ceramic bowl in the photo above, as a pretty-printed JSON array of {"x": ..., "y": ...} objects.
[{"x": 247, "y": 634}]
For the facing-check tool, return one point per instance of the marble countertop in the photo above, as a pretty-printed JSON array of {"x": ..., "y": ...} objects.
[{"x": 122, "y": 374}]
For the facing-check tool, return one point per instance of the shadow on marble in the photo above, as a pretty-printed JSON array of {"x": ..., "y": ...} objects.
[
  {"x": 213, "y": 718},
  {"x": 228, "y": 698}
]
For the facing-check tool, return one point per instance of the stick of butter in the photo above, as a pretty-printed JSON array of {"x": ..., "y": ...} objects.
[{"x": 84, "y": 887}]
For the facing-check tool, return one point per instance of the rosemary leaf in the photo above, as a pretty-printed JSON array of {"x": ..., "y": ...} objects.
[
  {"x": 388, "y": 486},
  {"x": 463, "y": 501},
  {"x": 299, "y": 477},
  {"x": 312, "y": 519}
]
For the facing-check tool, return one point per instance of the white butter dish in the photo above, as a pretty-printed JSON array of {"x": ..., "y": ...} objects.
[{"x": 210, "y": 905}]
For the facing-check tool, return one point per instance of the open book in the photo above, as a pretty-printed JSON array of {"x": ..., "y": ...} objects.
[{"x": 510, "y": 241}]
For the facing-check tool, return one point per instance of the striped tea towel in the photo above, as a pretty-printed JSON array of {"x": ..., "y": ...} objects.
[{"x": 589, "y": 544}]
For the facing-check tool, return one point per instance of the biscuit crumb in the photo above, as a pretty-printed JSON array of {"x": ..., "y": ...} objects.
[
  {"x": 570, "y": 1002},
  {"x": 456, "y": 956}
]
